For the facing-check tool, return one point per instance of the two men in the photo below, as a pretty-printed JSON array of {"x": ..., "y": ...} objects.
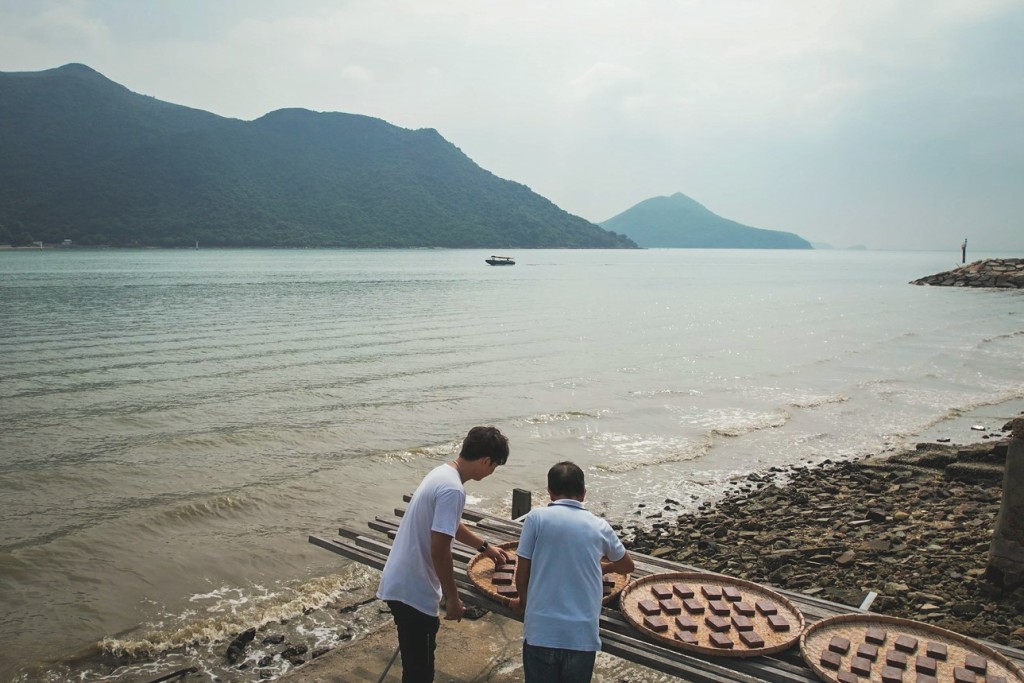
[
  {"x": 419, "y": 569},
  {"x": 564, "y": 551}
]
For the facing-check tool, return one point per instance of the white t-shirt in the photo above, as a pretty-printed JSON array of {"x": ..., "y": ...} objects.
[{"x": 409, "y": 574}]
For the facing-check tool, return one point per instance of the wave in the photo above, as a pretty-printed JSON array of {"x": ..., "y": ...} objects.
[
  {"x": 817, "y": 401},
  {"x": 636, "y": 451},
  {"x": 548, "y": 418}
]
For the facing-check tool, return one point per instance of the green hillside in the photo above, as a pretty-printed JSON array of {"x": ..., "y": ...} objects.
[
  {"x": 88, "y": 160},
  {"x": 679, "y": 221}
]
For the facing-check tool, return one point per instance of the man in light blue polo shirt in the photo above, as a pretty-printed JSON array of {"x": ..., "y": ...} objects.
[{"x": 563, "y": 552}]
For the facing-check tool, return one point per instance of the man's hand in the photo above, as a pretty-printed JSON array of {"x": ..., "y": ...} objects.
[
  {"x": 497, "y": 554},
  {"x": 454, "y": 609},
  {"x": 516, "y": 605}
]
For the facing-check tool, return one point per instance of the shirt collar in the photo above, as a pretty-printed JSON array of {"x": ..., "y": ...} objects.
[{"x": 569, "y": 502}]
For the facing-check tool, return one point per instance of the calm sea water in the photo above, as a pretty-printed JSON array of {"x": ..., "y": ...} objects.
[{"x": 173, "y": 424}]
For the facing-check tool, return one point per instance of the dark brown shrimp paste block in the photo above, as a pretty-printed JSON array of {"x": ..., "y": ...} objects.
[
  {"x": 685, "y": 623},
  {"x": 606, "y": 590},
  {"x": 995, "y": 679},
  {"x": 721, "y": 640},
  {"x": 925, "y": 665},
  {"x": 766, "y": 608},
  {"x": 682, "y": 590},
  {"x": 670, "y": 607},
  {"x": 860, "y": 666},
  {"x": 711, "y": 592},
  {"x": 502, "y": 579},
  {"x": 891, "y": 674},
  {"x": 925, "y": 678},
  {"x": 962, "y": 675},
  {"x": 743, "y": 608},
  {"x": 896, "y": 659},
  {"x": 716, "y": 623},
  {"x": 649, "y": 607},
  {"x": 731, "y": 594},
  {"x": 718, "y": 607},
  {"x": 875, "y": 635},
  {"x": 661, "y": 591},
  {"x": 869, "y": 652},
  {"x": 693, "y": 606},
  {"x": 741, "y": 623},
  {"x": 831, "y": 660},
  {"x": 778, "y": 623},
  {"x": 508, "y": 592},
  {"x": 656, "y": 624},
  {"x": 751, "y": 639},
  {"x": 936, "y": 651},
  {"x": 686, "y": 637},
  {"x": 839, "y": 644},
  {"x": 508, "y": 568},
  {"x": 906, "y": 644},
  {"x": 976, "y": 664},
  {"x": 847, "y": 677}
]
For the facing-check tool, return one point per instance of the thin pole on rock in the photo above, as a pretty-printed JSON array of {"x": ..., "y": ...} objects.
[{"x": 384, "y": 673}]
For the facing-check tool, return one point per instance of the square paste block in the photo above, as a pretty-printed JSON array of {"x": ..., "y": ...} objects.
[
  {"x": 831, "y": 660},
  {"x": 860, "y": 666},
  {"x": 766, "y": 608},
  {"x": 925, "y": 665},
  {"x": 751, "y": 639},
  {"x": 839, "y": 644},
  {"x": 891, "y": 674},
  {"x": 741, "y": 623},
  {"x": 721, "y": 640},
  {"x": 718, "y": 607},
  {"x": 962, "y": 675},
  {"x": 687, "y": 637},
  {"x": 685, "y": 623},
  {"x": 649, "y": 607},
  {"x": 743, "y": 608},
  {"x": 711, "y": 592},
  {"x": 693, "y": 606},
  {"x": 875, "y": 635},
  {"x": 656, "y": 624},
  {"x": 869, "y": 652},
  {"x": 731, "y": 594},
  {"x": 906, "y": 644},
  {"x": 847, "y": 677},
  {"x": 936, "y": 651},
  {"x": 661, "y": 591},
  {"x": 682, "y": 590},
  {"x": 716, "y": 623},
  {"x": 502, "y": 579},
  {"x": 976, "y": 664},
  {"x": 778, "y": 623},
  {"x": 896, "y": 659},
  {"x": 670, "y": 607}
]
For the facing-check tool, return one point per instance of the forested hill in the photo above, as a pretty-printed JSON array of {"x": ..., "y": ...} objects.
[
  {"x": 88, "y": 160},
  {"x": 679, "y": 221}
]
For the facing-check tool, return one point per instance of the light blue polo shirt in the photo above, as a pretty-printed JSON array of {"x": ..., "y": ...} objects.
[{"x": 565, "y": 543}]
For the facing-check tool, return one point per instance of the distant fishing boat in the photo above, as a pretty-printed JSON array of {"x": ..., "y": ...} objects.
[{"x": 500, "y": 261}]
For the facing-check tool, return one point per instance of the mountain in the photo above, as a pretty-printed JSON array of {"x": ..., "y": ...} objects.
[
  {"x": 88, "y": 160},
  {"x": 679, "y": 221}
]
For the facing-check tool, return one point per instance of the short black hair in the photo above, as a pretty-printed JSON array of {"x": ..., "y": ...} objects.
[
  {"x": 566, "y": 479},
  {"x": 485, "y": 442}
]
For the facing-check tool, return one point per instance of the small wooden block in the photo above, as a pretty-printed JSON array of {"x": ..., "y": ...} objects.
[
  {"x": 925, "y": 678},
  {"x": 718, "y": 607},
  {"x": 731, "y": 594},
  {"x": 502, "y": 579},
  {"x": 839, "y": 644},
  {"x": 891, "y": 674},
  {"x": 751, "y": 639},
  {"x": 846, "y": 677},
  {"x": 743, "y": 608},
  {"x": 693, "y": 606},
  {"x": 925, "y": 665},
  {"x": 741, "y": 623},
  {"x": 670, "y": 607},
  {"x": 682, "y": 590},
  {"x": 868, "y": 652},
  {"x": 896, "y": 659},
  {"x": 963, "y": 675},
  {"x": 711, "y": 592},
  {"x": 606, "y": 590},
  {"x": 687, "y": 637},
  {"x": 508, "y": 592},
  {"x": 661, "y": 591},
  {"x": 721, "y": 640},
  {"x": 766, "y": 608},
  {"x": 508, "y": 568},
  {"x": 685, "y": 623},
  {"x": 906, "y": 644},
  {"x": 860, "y": 666},
  {"x": 716, "y": 623},
  {"x": 936, "y": 651},
  {"x": 831, "y": 660},
  {"x": 995, "y": 679},
  {"x": 778, "y": 623},
  {"x": 608, "y": 583},
  {"x": 656, "y": 624},
  {"x": 649, "y": 607},
  {"x": 976, "y": 664},
  {"x": 875, "y": 635}
]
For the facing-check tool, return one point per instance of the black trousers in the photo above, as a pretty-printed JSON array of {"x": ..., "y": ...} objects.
[{"x": 417, "y": 640}]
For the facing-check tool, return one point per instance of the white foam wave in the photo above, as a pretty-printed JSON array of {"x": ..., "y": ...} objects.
[
  {"x": 548, "y": 418},
  {"x": 627, "y": 452}
]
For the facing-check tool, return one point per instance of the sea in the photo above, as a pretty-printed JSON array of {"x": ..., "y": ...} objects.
[{"x": 174, "y": 424}]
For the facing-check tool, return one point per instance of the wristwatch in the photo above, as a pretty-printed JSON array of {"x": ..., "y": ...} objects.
[{"x": 484, "y": 547}]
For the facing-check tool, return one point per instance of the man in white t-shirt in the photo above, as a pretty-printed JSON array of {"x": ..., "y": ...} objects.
[
  {"x": 564, "y": 551},
  {"x": 419, "y": 569}
]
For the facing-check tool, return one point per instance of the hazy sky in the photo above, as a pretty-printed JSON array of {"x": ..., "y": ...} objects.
[{"x": 888, "y": 123}]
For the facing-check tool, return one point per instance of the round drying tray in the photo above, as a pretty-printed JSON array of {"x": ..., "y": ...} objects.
[
  {"x": 919, "y": 652},
  {"x": 481, "y": 572},
  {"x": 711, "y": 614}
]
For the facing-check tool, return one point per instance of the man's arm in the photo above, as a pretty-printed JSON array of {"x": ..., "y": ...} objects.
[
  {"x": 518, "y": 604},
  {"x": 623, "y": 565},
  {"x": 441, "y": 556},
  {"x": 463, "y": 534}
]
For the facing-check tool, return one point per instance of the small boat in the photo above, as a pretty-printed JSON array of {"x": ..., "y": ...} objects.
[{"x": 500, "y": 261}]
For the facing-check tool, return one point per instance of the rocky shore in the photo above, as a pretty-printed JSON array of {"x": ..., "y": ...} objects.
[
  {"x": 913, "y": 528},
  {"x": 1002, "y": 273}
]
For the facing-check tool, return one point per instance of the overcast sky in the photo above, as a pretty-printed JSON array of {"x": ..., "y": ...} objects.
[{"x": 888, "y": 123}]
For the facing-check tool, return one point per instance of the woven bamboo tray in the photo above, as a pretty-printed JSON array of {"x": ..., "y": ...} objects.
[
  {"x": 481, "y": 570},
  {"x": 853, "y": 628},
  {"x": 752, "y": 597}
]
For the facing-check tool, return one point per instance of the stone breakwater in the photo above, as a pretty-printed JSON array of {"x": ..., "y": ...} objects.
[
  {"x": 1001, "y": 273},
  {"x": 914, "y": 528}
]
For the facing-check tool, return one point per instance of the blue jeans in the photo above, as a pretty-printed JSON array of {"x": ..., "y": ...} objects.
[{"x": 554, "y": 665}]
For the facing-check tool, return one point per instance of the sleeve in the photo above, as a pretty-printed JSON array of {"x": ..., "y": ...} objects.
[
  {"x": 448, "y": 511},
  {"x": 528, "y": 538},
  {"x": 613, "y": 548}
]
